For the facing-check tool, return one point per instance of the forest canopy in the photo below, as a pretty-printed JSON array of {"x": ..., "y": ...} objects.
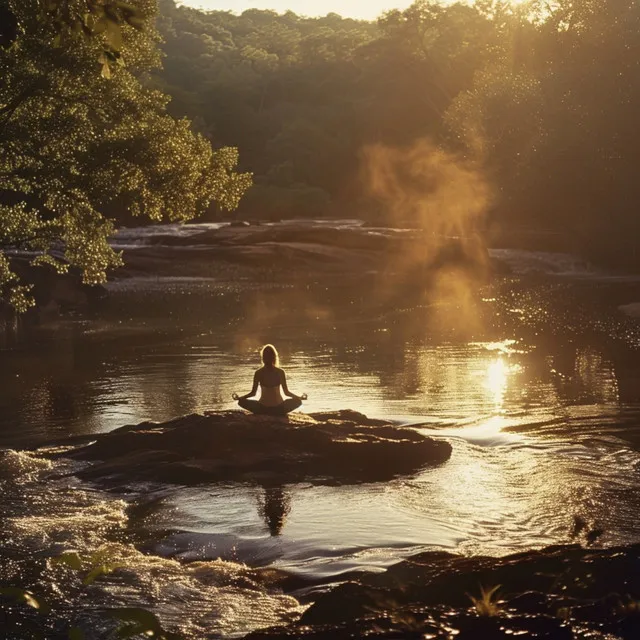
[{"x": 540, "y": 96}]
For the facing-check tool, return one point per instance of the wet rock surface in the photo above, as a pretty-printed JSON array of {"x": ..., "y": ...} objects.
[
  {"x": 328, "y": 448},
  {"x": 562, "y": 592},
  {"x": 247, "y": 250}
]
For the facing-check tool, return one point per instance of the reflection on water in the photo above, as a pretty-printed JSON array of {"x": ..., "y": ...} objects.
[
  {"x": 542, "y": 416},
  {"x": 275, "y": 508},
  {"x": 498, "y": 373}
]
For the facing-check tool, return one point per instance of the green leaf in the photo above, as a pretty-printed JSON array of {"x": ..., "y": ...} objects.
[
  {"x": 136, "y": 23},
  {"x": 69, "y": 558},
  {"x": 114, "y": 35},
  {"x": 100, "y": 570},
  {"x": 75, "y": 633},
  {"x": 105, "y": 72},
  {"x": 46, "y": 259},
  {"x": 99, "y": 26},
  {"x": 127, "y": 9},
  {"x": 25, "y": 597},
  {"x": 137, "y": 621}
]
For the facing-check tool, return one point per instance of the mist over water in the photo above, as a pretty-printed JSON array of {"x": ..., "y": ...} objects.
[
  {"x": 447, "y": 197},
  {"x": 539, "y": 399}
]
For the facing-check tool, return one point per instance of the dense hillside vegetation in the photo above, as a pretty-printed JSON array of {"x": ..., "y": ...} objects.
[{"x": 540, "y": 97}]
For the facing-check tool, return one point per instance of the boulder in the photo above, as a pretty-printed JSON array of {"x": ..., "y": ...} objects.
[
  {"x": 557, "y": 593},
  {"x": 327, "y": 448}
]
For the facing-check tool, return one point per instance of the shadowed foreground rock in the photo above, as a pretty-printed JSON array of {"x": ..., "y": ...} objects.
[
  {"x": 328, "y": 448},
  {"x": 558, "y": 593}
]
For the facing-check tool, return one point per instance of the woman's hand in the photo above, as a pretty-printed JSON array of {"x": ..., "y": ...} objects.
[
  {"x": 304, "y": 396},
  {"x": 235, "y": 396}
]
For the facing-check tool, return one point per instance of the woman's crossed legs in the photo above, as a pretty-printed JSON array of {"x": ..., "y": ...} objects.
[{"x": 279, "y": 410}]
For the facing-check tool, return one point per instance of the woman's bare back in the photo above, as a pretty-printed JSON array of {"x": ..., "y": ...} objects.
[{"x": 269, "y": 376}]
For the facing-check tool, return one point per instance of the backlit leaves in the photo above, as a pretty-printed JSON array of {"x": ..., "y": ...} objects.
[
  {"x": 553, "y": 117},
  {"x": 77, "y": 149},
  {"x": 99, "y": 20}
]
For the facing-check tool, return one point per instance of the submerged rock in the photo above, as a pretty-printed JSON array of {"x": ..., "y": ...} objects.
[
  {"x": 562, "y": 592},
  {"x": 327, "y": 448}
]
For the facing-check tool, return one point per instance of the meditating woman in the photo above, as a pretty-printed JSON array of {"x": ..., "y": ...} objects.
[{"x": 270, "y": 378}]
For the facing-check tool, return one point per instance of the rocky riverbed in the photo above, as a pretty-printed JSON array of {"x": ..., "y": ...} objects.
[{"x": 324, "y": 248}]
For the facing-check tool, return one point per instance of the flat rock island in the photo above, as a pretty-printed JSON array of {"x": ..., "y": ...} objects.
[{"x": 341, "y": 447}]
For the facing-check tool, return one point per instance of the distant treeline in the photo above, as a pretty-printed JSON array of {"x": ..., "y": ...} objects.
[{"x": 542, "y": 97}]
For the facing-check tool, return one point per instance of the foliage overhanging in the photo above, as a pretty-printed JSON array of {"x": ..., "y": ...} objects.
[{"x": 80, "y": 145}]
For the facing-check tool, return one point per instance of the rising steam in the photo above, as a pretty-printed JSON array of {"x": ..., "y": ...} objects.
[{"x": 446, "y": 199}]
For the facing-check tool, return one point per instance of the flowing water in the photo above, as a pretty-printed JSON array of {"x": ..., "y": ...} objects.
[{"x": 539, "y": 396}]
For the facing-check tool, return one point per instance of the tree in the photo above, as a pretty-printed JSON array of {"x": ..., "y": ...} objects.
[
  {"x": 90, "y": 18},
  {"x": 78, "y": 146},
  {"x": 542, "y": 94},
  {"x": 553, "y": 117}
]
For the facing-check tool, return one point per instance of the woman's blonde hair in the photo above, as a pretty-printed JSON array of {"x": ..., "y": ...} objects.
[{"x": 269, "y": 355}]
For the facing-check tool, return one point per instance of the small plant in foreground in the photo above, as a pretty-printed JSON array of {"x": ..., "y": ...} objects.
[
  {"x": 137, "y": 622},
  {"x": 487, "y": 604}
]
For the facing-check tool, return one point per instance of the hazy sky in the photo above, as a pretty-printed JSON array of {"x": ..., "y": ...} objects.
[{"x": 366, "y": 9}]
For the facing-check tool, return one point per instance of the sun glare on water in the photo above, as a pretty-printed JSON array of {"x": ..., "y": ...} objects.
[
  {"x": 500, "y": 371},
  {"x": 497, "y": 380}
]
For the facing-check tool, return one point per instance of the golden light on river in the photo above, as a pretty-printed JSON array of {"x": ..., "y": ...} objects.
[
  {"x": 497, "y": 374},
  {"x": 500, "y": 372},
  {"x": 499, "y": 377}
]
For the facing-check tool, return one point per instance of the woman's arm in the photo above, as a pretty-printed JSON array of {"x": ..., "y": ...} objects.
[
  {"x": 254, "y": 389},
  {"x": 285, "y": 389}
]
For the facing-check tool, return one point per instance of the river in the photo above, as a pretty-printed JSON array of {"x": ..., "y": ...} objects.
[{"x": 539, "y": 396}]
